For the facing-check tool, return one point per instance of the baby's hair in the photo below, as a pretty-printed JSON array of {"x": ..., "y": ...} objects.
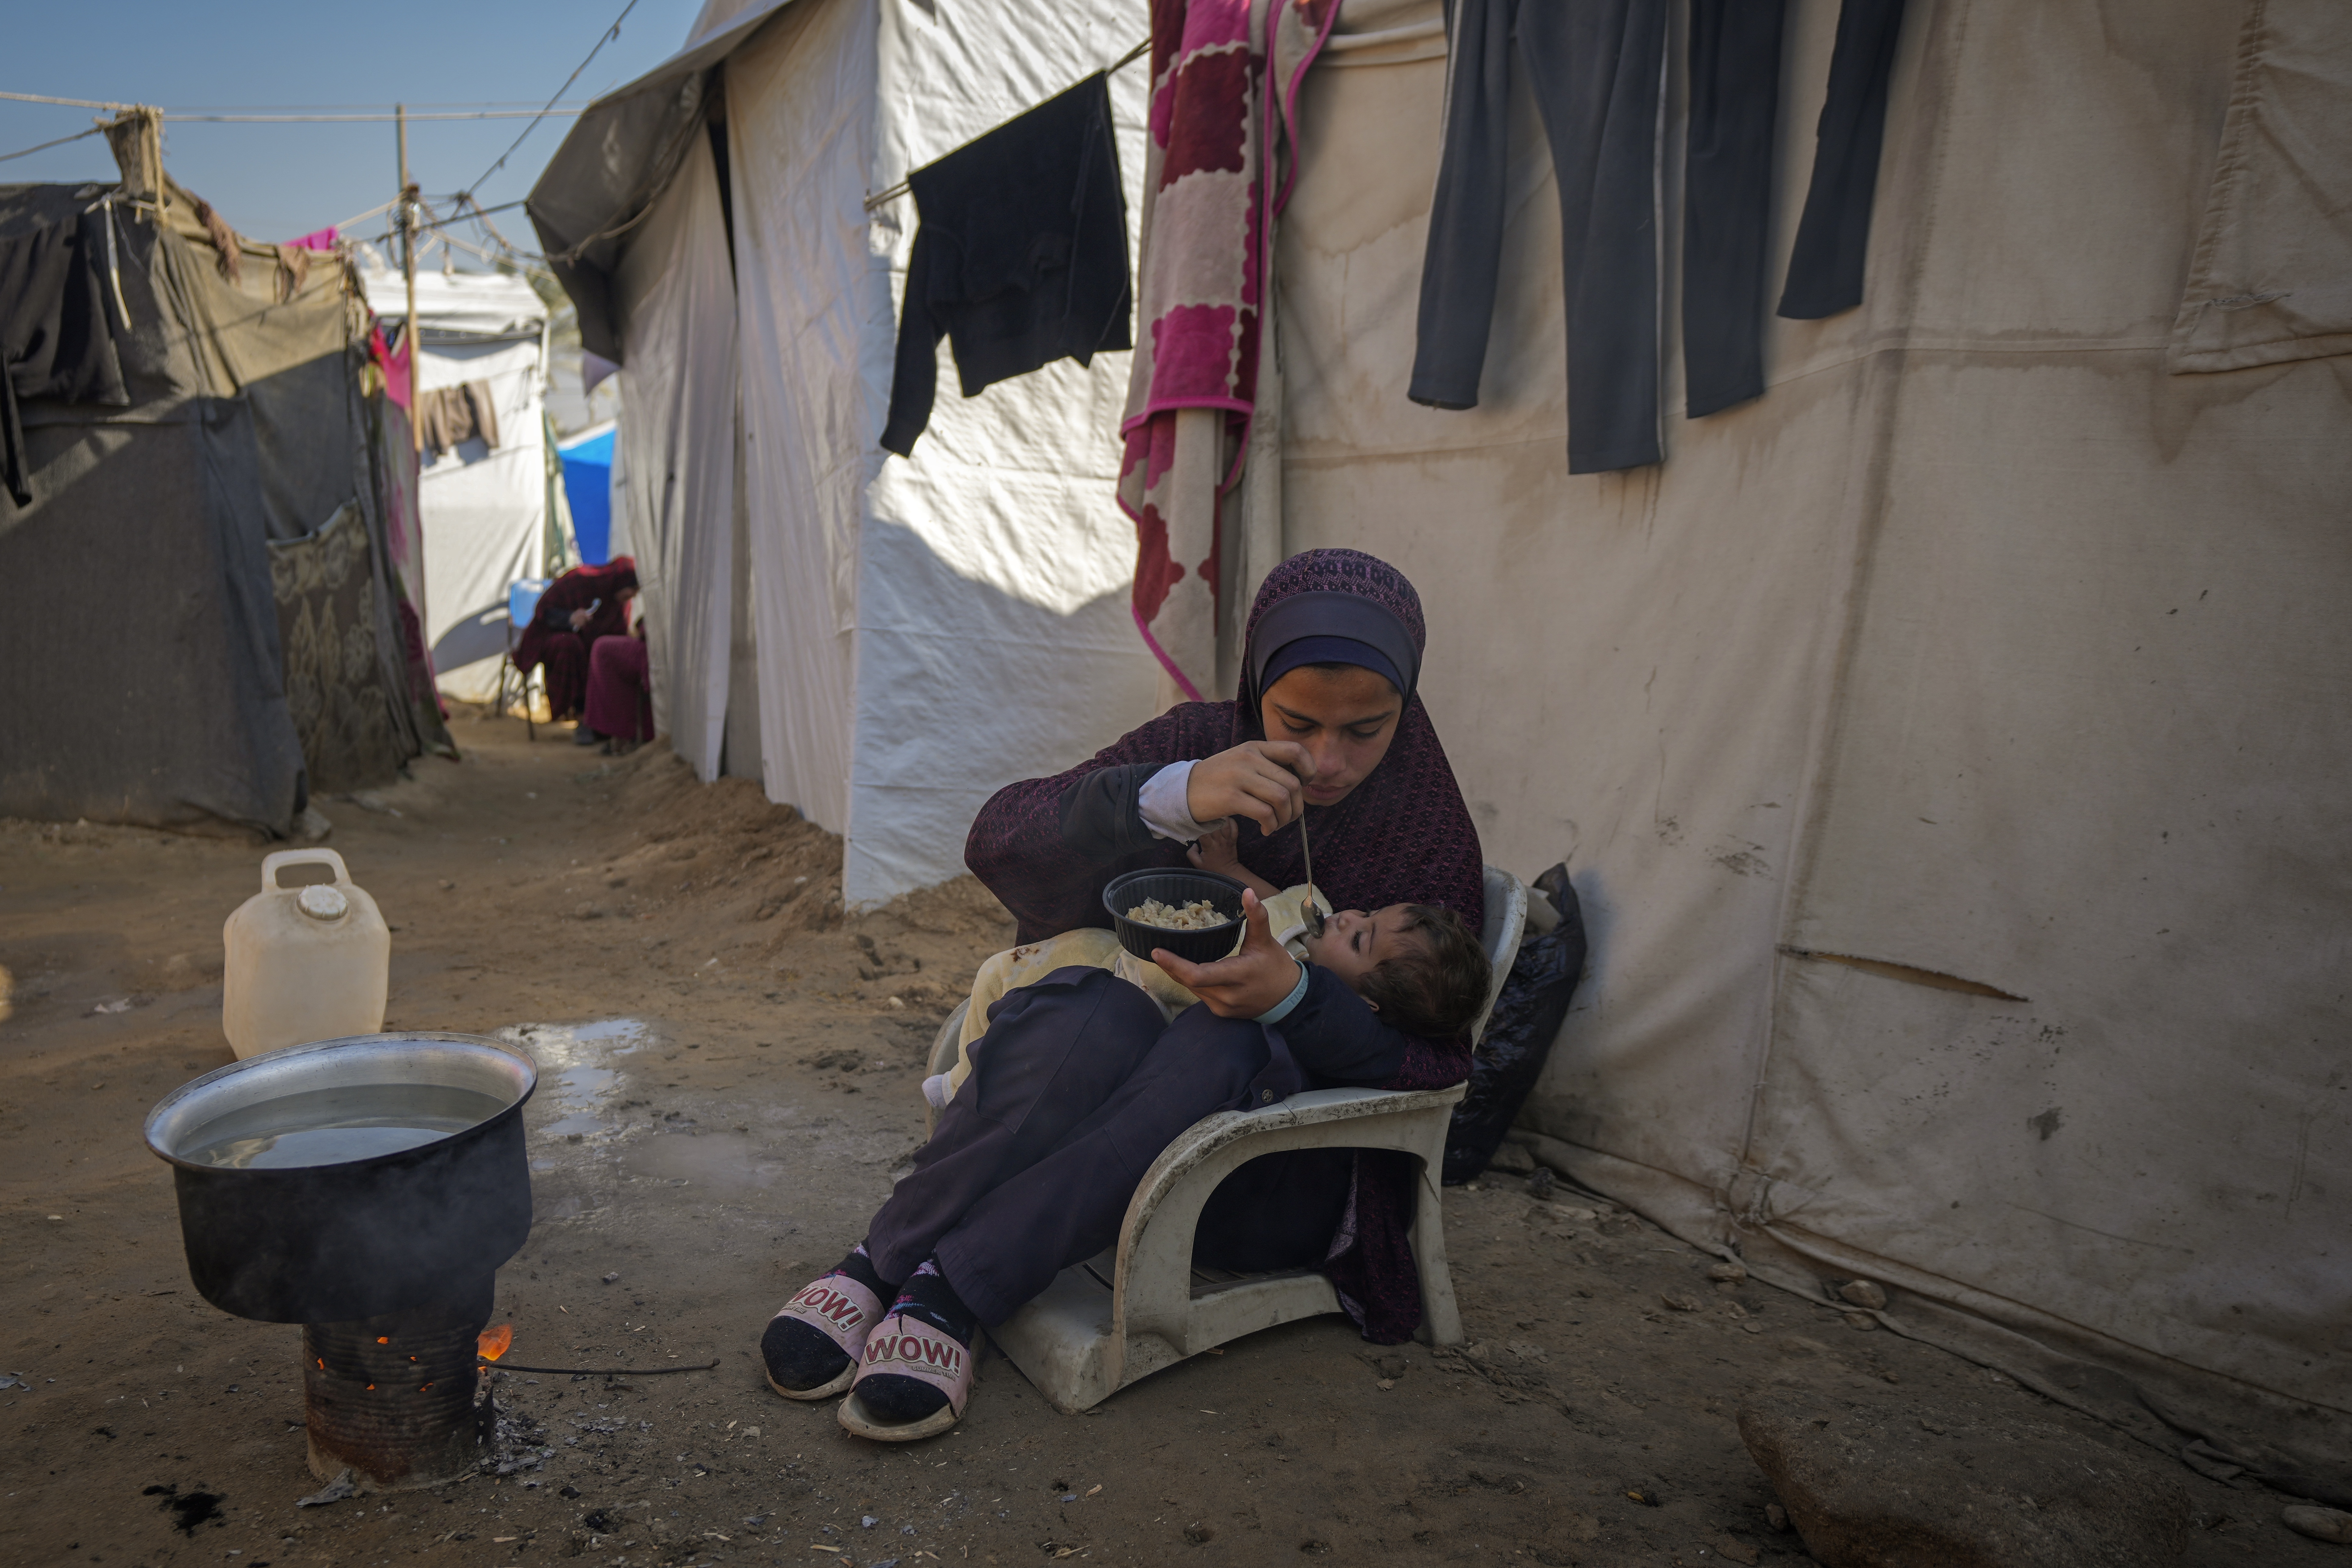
[{"x": 1436, "y": 986}]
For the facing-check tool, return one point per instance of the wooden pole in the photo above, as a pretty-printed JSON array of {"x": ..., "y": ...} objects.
[{"x": 408, "y": 269}]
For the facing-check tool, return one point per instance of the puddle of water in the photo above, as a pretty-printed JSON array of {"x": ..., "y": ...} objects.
[
  {"x": 722, "y": 1160},
  {"x": 570, "y": 1045},
  {"x": 573, "y": 1081},
  {"x": 580, "y": 1121}
]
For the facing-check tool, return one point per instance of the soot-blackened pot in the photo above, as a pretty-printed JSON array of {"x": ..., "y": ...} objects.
[{"x": 328, "y": 1243}]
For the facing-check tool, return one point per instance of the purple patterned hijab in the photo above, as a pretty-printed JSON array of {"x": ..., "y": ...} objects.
[{"x": 1402, "y": 835}]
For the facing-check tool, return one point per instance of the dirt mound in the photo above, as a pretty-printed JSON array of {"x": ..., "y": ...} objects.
[
  {"x": 722, "y": 866},
  {"x": 730, "y": 847}
]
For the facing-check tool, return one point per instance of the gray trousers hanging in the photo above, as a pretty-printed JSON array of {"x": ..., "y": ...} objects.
[
  {"x": 1597, "y": 67},
  {"x": 1825, "y": 266},
  {"x": 1735, "y": 98}
]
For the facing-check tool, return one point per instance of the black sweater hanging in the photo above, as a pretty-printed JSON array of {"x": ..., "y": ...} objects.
[{"x": 1021, "y": 257}]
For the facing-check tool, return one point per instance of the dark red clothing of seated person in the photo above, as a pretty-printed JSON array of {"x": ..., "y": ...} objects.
[
  {"x": 583, "y": 605},
  {"x": 620, "y": 698}
]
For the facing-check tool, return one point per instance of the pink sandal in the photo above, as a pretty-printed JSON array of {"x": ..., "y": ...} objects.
[
  {"x": 909, "y": 1347},
  {"x": 843, "y": 1312}
]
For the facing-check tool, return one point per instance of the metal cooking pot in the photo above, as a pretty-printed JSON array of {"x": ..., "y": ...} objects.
[{"x": 330, "y": 1242}]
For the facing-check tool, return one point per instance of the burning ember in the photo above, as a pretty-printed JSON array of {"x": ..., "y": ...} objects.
[
  {"x": 396, "y": 1398},
  {"x": 494, "y": 1341}
]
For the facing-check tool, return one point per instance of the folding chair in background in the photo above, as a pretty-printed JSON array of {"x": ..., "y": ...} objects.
[{"x": 522, "y": 602}]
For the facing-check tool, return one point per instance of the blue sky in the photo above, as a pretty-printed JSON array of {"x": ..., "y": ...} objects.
[{"x": 275, "y": 182}]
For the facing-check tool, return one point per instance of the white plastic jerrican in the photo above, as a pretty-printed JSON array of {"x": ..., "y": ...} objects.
[{"x": 304, "y": 963}]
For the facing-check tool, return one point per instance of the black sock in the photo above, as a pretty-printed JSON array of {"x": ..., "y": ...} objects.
[
  {"x": 798, "y": 1354},
  {"x": 897, "y": 1399}
]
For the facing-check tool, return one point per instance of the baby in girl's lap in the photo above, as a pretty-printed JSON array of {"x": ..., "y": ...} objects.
[{"x": 1419, "y": 966}]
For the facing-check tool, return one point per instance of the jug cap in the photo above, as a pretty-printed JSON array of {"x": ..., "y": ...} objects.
[{"x": 321, "y": 901}]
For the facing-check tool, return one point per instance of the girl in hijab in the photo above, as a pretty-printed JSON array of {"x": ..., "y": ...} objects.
[
  {"x": 1080, "y": 1081},
  {"x": 583, "y": 605}
]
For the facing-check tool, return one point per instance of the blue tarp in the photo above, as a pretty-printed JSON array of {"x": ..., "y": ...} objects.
[{"x": 588, "y": 486}]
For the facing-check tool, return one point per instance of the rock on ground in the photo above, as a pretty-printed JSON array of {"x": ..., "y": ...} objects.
[{"x": 1906, "y": 1484}]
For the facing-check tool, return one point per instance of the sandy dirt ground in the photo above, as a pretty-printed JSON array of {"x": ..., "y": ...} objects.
[{"x": 728, "y": 1080}]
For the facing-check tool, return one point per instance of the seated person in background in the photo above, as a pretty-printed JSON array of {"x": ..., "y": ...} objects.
[
  {"x": 620, "y": 696},
  {"x": 584, "y": 604},
  {"x": 1419, "y": 966}
]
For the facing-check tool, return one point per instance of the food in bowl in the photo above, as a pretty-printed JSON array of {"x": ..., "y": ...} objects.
[{"x": 1200, "y": 914}]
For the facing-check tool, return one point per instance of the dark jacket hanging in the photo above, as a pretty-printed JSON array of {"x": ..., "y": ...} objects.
[
  {"x": 55, "y": 338},
  {"x": 1021, "y": 258}
]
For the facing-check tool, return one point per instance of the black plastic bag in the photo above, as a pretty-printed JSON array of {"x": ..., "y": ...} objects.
[{"x": 1527, "y": 1017}]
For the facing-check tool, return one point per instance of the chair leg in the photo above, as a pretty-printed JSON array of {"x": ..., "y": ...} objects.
[{"x": 1440, "y": 1317}]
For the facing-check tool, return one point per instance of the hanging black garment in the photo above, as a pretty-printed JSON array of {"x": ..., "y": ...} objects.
[
  {"x": 1735, "y": 96},
  {"x": 1021, "y": 258},
  {"x": 55, "y": 341},
  {"x": 1833, "y": 235},
  {"x": 1596, "y": 68}
]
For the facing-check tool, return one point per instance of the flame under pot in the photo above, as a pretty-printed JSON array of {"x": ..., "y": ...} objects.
[{"x": 396, "y": 1398}]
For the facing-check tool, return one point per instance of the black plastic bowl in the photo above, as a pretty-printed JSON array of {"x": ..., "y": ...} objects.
[{"x": 1177, "y": 888}]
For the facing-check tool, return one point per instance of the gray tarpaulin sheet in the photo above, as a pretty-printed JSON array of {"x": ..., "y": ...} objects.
[
  {"x": 142, "y": 646},
  {"x": 601, "y": 184}
]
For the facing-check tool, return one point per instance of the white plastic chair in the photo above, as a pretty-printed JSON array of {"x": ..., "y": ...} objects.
[{"x": 1104, "y": 1323}]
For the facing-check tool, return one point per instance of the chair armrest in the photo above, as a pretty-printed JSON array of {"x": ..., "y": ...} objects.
[
  {"x": 1148, "y": 1291},
  {"x": 1305, "y": 1109}
]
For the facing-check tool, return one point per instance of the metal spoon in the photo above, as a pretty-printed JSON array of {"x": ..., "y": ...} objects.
[{"x": 1314, "y": 910}]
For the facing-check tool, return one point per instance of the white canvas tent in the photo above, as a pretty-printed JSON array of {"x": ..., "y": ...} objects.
[
  {"x": 484, "y": 512},
  {"x": 1946, "y": 746},
  {"x": 1992, "y": 647},
  {"x": 851, "y": 628}
]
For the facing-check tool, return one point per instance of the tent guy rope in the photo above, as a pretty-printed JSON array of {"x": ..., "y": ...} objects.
[
  {"x": 606, "y": 36},
  {"x": 26, "y": 151}
]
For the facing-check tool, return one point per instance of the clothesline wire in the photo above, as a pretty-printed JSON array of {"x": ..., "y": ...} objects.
[
  {"x": 363, "y": 218},
  {"x": 524, "y": 104},
  {"x": 462, "y": 199},
  {"x": 367, "y": 119},
  {"x": 482, "y": 216},
  {"x": 320, "y": 113},
  {"x": 69, "y": 102},
  {"x": 46, "y": 146},
  {"x": 606, "y": 36},
  {"x": 900, "y": 189}
]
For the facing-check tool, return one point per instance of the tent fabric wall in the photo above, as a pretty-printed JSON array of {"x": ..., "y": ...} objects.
[
  {"x": 484, "y": 512},
  {"x": 995, "y": 565},
  {"x": 1981, "y": 648},
  {"x": 146, "y": 546},
  {"x": 900, "y": 603},
  {"x": 2272, "y": 279},
  {"x": 903, "y": 618},
  {"x": 815, "y": 302},
  {"x": 620, "y": 157},
  {"x": 677, "y": 314}
]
